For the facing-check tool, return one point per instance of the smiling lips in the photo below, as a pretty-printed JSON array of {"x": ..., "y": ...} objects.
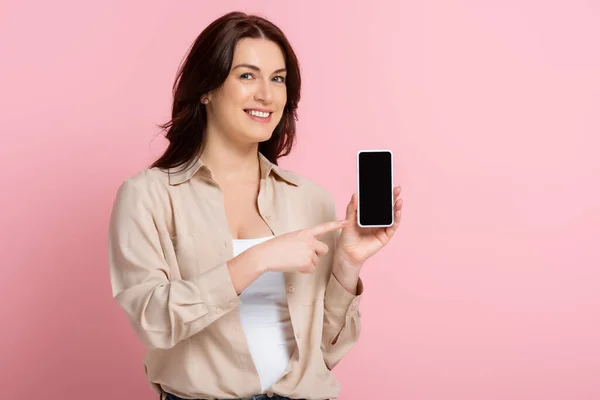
[{"x": 259, "y": 115}]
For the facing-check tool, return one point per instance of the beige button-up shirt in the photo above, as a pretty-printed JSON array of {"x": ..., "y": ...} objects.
[{"x": 169, "y": 242}]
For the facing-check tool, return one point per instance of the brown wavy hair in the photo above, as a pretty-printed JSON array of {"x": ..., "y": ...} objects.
[{"x": 205, "y": 68}]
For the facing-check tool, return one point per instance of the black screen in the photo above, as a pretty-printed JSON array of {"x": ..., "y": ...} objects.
[{"x": 375, "y": 188}]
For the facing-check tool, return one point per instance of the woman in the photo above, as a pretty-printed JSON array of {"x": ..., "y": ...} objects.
[{"x": 235, "y": 273}]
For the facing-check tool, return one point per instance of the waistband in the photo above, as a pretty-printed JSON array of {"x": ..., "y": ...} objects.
[{"x": 169, "y": 396}]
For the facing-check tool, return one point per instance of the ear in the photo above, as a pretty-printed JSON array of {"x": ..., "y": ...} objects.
[{"x": 205, "y": 98}]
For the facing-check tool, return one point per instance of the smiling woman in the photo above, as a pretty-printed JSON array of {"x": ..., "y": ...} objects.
[
  {"x": 256, "y": 86},
  {"x": 229, "y": 268},
  {"x": 239, "y": 63}
]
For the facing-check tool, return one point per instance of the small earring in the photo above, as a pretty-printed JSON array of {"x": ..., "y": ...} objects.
[{"x": 205, "y": 100}]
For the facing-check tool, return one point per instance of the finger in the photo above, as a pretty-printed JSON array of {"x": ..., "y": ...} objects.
[
  {"x": 351, "y": 207},
  {"x": 308, "y": 270},
  {"x": 389, "y": 231},
  {"x": 352, "y": 215},
  {"x": 315, "y": 260},
  {"x": 326, "y": 227},
  {"x": 321, "y": 248},
  {"x": 398, "y": 204},
  {"x": 397, "y": 191}
]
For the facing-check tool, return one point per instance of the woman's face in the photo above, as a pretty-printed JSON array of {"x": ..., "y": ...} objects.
[{"x": 249, "y": 104}]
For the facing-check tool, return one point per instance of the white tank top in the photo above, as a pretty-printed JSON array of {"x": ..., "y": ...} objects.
[{"x": 266, "y": 321}]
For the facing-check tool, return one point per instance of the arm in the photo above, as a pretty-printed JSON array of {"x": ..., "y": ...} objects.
[
  {"x": 341, "y": 324},
  {"x": 163, "y": 311},
  {"x": 352, "y": 248}
]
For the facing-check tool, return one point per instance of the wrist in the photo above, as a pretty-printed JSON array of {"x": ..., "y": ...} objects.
[
  {"x": 346, "y": 272},
  {"x": 244, "y": 269},
  {"x": 258, "y": 264},
  {"x": 345, "y": 263}
]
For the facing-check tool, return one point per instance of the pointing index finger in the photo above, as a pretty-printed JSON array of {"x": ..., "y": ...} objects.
[{"x": 326, "y": 227}]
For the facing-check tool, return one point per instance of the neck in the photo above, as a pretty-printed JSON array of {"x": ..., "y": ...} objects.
[{"x": 229, "y": 161}]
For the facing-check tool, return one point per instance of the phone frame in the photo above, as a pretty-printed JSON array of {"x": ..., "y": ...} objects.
[{"x": 358, "y": 153}]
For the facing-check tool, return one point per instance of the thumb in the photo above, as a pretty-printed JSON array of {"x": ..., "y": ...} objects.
[{"x": 351, "y": 208}]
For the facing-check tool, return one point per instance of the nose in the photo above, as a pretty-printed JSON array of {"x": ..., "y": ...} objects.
[{"x": 264, "y": 92}]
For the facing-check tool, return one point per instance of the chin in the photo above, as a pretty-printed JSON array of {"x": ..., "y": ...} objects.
[
  {"x": 262, "y": 138},
  {"x": 259, "y": 135}
]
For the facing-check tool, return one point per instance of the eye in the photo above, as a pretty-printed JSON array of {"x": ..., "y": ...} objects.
[
  {"x": 280, "y": 79},
  {"x": 247, "y": 74}
]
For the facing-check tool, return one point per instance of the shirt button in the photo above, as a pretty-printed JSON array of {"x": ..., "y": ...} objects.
[
  {"x": 292, "y": 289},
  {"x": 297, "y": 335},
  {"x": 232, "y": 303},
  {"x": 267, "y": 217},
  {"x": 219, "y": 311}
]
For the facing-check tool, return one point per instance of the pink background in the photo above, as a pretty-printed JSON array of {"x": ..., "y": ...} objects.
[{"x": 491, "y": 287}]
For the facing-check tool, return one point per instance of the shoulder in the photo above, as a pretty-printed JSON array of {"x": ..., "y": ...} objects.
[{"x": 144, "y": 186}]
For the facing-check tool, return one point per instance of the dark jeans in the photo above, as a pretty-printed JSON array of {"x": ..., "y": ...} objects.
[{"x": 255, "y": 397}]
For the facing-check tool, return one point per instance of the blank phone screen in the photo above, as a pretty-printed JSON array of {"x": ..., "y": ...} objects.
[{"x": 375, "y": 188}]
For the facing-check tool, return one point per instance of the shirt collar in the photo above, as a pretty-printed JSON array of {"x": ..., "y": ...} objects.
[{"x": 178, "y": 176}]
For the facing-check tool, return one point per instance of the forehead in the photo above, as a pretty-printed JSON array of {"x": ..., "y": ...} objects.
[{"x": 263, "y": 53}]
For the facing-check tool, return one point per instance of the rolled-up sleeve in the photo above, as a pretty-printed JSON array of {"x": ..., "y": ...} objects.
[
  {"x": 162, "y": 311},
  {"x": 341, "y": 324}
]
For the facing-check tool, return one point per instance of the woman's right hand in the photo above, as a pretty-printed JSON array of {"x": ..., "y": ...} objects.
[{"x": 294, "y": 251}]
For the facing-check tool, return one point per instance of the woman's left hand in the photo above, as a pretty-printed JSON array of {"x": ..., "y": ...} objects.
[{"x": 356, "y": 244}]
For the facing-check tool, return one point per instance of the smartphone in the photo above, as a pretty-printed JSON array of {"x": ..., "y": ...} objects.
[{"x": 375, "y": 188}]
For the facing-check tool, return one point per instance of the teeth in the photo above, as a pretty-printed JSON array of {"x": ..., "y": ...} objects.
[{"x": 258, "y": 113}]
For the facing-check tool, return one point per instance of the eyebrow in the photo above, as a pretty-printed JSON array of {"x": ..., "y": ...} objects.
[{"x": 254, "y": 67}]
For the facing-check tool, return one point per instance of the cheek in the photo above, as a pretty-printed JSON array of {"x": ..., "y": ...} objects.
[
  {"x": 282, "y": 96},
  {"x": 239, "y": 94},
  {"x": 234, "y": 95},
  {"x": 280, "y": 99}
]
